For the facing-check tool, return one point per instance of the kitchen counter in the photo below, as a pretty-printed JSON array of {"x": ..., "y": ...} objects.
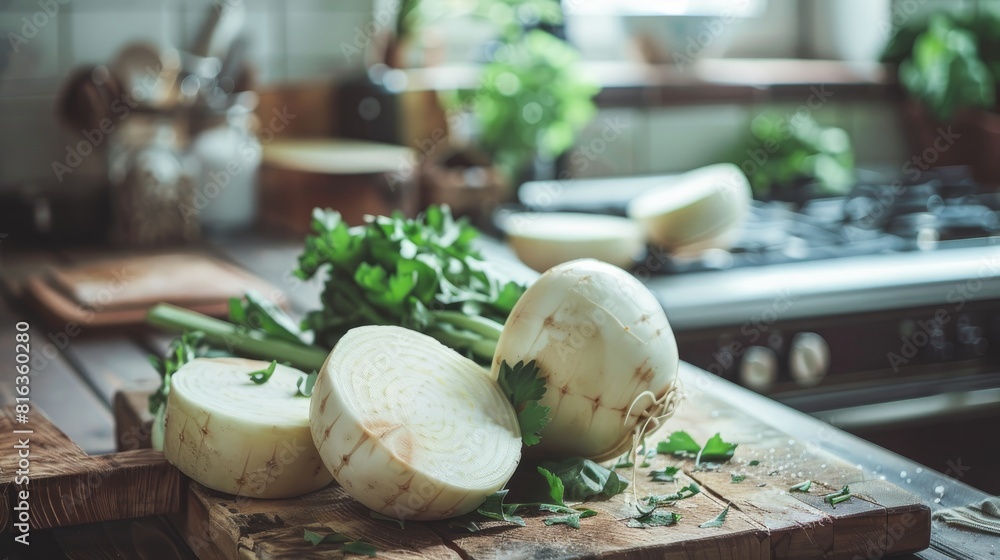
[{"x": 82, "y": 374}]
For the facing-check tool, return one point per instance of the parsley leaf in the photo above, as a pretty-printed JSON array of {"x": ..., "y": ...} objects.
[
  {"x": 315, "y": 538},
  {"x": 255, "y": 311},
  {"x": 524, "y": 388},
  {"x": 666, "y": 474},
  {"x": 494, "y": 508},
  {"x": 716, "y": 450},
  {"x": 583, "y": 479},
  {"x": 669, "y": 499},
  {"x": 556, "y": 488},
  {"x": 801, "y": 487},
  {"x": 737, "y": 478},
  {"x": 654, "y": 518},
  {"x": 571, "y": 519},
  {"x": 264, "y": 375},
  {"x": 678, "y": 442},
  {"x": 717, "y": 521},
  {"x": 360, "y": 548},
  {"x": 753, "y": 463}
]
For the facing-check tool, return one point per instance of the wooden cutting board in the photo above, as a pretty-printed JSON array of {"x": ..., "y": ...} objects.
[{"x": 765, "y": 520}]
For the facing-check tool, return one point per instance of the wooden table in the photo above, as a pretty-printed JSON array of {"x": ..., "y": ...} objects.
[{"x": 82, "y": 373}]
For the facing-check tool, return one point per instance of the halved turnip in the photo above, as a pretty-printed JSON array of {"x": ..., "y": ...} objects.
[
  {"x": 606, "y": 350},
  {"x": 233, "y": 435},
  {"x": 409, "y": 427}
]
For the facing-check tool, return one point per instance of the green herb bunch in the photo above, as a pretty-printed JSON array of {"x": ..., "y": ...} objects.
[{"x": 420, "y": 273}]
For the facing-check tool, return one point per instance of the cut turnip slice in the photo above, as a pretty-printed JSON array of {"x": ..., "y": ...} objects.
[
  {"x": 606, "y": 350},
  {"x": 409, "y": 427},
  {"x": 232, "y": 435}
]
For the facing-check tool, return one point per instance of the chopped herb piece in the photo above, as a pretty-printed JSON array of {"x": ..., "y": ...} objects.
[
  {"x": 556, "y": 488},
  {"x": 306, "y": 384},
  {"x": 524, "y": 388},
  {"x": 678, "y": 442},
  {"x": 464, "y": 525},
  {"x": 716, "y": 450},
  {"x": 737, "y": 478},
  {"x": 572, "y": 519},
  {"x": 840, "y": 495},
  {"x": 665, "y": 474},
  {"x": 654, "y": 518},
  {"x": 753, "y": 463},
  {"x": 262, "y": 376},
  {"x": 494, "y": 508},
  {"x": 584, "y": 479},
  {"x": 668, "y": 499},
  {"x": 801, "y": 487},
  {"x": 380, "y": 517},
  {"x": 315, "y": 538},
  {"x": 623, "y": 462},
  {"x": 360, "y": 548},
  {"x": 774, "y": 472},
  {"x": 717, "y": 521}
]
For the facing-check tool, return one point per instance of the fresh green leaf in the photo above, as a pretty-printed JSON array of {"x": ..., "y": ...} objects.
[
  {"x": 422, "y": 273},
  {"x": 666, "y": 474},
  {"x": 669, "y": 499},
  {"x": 623, "y": 462},
  {"x": 717, "y": 521},
  {"x": 716, "y": 450},
  {"x": 315, "y": 538},
  {"x": 678, "y": 442},
  {"x": 306, "y": 384},
  {"x": 654, "y": 518},
  {"x": 801, "y": 487},
  {"x": 524, "y": 387},
  {"x": 360, "y": 548},
  {"x": 380, "y": 517},
  {"x": 494, "y": 508},
  {"x": 571, "y": 519},
  {"x": 182, "y": 350},
  {"x": 584, "y": 479},
  {"x": 737, "y": 478},
  {"x": 556, "y": 488},
  {"x": 753, "y": 463},
  {"x": 258, "y": 313},
  {"x": 264, "y": 375}
]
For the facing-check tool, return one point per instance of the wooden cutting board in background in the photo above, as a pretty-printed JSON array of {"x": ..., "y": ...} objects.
[
  {"x": 120, "y": 291},
  {"x": 765, "y": 520}
]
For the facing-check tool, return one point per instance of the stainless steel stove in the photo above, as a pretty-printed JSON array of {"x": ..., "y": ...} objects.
[{"x": 878, "y": 312}]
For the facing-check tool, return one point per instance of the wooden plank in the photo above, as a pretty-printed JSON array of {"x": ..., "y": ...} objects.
[
  {"x": 68, "y": 487},
  {"x": 221, "y": 526},
  {"x": 54, "y": 385},
  {"x": 764, "y": 521},
  {"x": 112, "y": 364}
]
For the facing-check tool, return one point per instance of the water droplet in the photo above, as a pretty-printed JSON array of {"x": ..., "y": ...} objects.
[
  {"x": 937, "y": 500},
  {"x": 791, "y": 442},
  {"x": 919, "y": 470},
  {"x": 881, "y": 477},
  {"x": 823, "y": 466},
  {"x": 902, "y": 474},
  {"x": 939, "y": 489},
  {"x": 800, "y": 474},
  {"x": 772, "y": 450},
  {"x": 907, "y": 480},
  {"x": 858, "y": 466}
]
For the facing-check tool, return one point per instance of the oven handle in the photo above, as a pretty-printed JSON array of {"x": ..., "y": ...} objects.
[{"x": 920, "y": 409}]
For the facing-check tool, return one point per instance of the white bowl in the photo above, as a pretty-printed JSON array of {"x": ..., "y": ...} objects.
[
  {"x": 698, "y": 209},
  {"x": 543, "y": 240}
]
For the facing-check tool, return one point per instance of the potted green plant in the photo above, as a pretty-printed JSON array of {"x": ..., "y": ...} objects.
[{"x": 949, "y": 64}]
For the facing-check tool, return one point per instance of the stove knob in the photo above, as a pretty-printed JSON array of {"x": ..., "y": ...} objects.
[
  {"x": 759, "y": 368},
  {"x": 809, "y": 359}
]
